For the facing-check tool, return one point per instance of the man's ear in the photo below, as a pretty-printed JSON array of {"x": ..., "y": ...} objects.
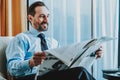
[{"x": 30, "y": 17}]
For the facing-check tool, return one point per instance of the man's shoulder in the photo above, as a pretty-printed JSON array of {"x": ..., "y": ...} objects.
[{"x": 22, "y": 36}]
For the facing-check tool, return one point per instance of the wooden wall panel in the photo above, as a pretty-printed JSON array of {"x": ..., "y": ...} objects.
[
  {"x": 3, "y": 21},
  {"x": 16, "y": 16},
  {"x": 13, "y": 20},
  {"x": 0, "y": 17}
]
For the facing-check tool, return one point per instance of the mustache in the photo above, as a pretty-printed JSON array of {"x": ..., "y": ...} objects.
[{"x": 44, "y": 23}]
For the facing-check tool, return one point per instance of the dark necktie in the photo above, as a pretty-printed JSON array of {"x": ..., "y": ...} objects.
[{"x": 43, "y": 42}]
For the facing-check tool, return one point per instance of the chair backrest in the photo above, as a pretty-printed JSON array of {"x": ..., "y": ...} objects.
[{"x": 3, "y": 44}]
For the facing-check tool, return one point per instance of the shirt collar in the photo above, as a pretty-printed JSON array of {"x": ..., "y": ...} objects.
[{"x": 33, "y": 31}]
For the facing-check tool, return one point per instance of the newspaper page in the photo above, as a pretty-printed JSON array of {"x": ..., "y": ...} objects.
[{"x": 72, "y": 55}]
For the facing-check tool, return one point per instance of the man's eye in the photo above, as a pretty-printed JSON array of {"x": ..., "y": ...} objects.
[{"x": 41, "y": 16}]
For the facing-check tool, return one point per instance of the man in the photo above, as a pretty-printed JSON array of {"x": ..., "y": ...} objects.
[{"x": 25, "y": 53}]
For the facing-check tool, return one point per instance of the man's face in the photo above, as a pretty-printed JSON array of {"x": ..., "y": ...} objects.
[{"x": 40, "y": 20}]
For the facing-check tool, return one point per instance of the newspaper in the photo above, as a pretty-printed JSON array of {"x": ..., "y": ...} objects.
[{"x": 72, "y": 55}]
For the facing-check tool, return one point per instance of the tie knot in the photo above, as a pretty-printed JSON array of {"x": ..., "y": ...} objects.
[{"x": 41, "y": 35}]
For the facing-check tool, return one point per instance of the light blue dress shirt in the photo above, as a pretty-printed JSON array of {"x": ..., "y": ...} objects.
[{"x": 20, "y": 50}]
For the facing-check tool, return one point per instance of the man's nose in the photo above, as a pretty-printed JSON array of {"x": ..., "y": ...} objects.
[{"x": 45, "y": 19}]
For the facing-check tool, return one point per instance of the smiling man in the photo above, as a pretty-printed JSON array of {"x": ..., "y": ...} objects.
[{"x": 26, "y": 51}]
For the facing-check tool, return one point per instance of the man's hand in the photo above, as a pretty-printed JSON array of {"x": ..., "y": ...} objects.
[
  {"x": 99, "y": 52},
  {"x": 37, "y": 59}
]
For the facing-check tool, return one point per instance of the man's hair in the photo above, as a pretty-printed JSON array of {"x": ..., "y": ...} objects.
[{"x": 31, "y": 9}]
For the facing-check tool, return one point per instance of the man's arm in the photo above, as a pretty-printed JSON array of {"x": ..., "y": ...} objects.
[{"x": 15, "y": 54}]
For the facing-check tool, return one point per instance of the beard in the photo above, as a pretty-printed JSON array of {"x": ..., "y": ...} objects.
[{"x": 43, "y": 27}]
